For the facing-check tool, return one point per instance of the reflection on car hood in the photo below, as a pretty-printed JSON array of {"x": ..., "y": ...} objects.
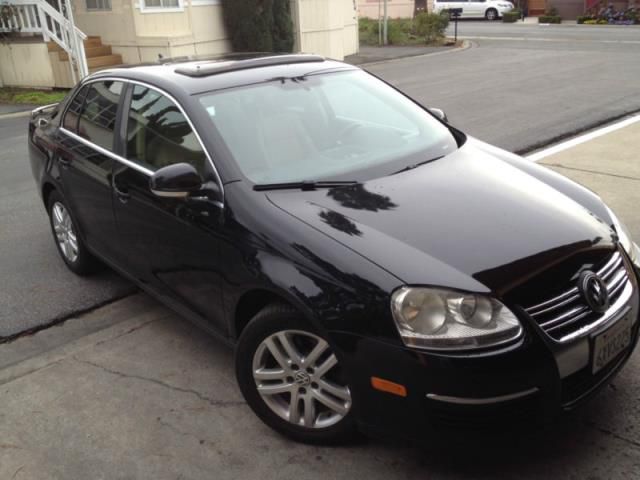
[{"x": 468, "y": 221}]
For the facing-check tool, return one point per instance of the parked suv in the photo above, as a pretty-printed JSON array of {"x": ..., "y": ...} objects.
[
  {"x": 489, "y": 9},
  {"x": 373, "y": 266}
]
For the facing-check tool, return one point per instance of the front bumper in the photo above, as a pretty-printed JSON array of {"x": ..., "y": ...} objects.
[{"x": 526, "y": 383}]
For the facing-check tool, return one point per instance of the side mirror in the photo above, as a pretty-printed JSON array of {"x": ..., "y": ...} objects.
[
  {"x": 438, "y": 112},
  {"x": 175, "y": 181}
]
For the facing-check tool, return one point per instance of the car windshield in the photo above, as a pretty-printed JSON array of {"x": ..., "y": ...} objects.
[{"x": 333, "y": 126}]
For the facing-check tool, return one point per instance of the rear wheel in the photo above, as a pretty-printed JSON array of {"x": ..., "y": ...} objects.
[
  {"x": 491, "y": 14},
  {"x": 291, "y": 378},
  {"x": 65, "y": 233}
]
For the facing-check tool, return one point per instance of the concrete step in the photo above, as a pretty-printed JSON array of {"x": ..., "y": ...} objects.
[
  {"x": 104, "y": 60},
  {"x": 89, "y": 42},
  {"x": 89, "y": 51}
]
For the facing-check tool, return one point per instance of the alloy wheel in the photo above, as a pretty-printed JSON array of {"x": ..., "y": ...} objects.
[
  {"x": 65, "y": 233},
  {"x": 298, "y": 377}
]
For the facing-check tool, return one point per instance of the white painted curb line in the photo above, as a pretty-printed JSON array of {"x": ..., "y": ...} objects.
[{"x": 539, "y": 155}]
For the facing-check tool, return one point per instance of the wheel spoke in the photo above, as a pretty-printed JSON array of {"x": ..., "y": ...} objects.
[
  {"x": 309, "y": 411},
  {"x": 330, "y": 402},
  {"x": 57, "y": 213},
  {"x": 314, "y": 354},
  {"x": 290, "y": 348},
  {"x": 336, "y": 390},
  {"x": 263, "y": 374},
  {"x": 73, "y": 243},
  {"x": 277, "y": 354},
  {"x": 294, "y": 407},
  {"x": 275, "y": 389},
  {"x": 327, "y": 365}
]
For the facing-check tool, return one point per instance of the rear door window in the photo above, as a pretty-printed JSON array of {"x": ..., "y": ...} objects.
[{"x": 98, "y": 116}]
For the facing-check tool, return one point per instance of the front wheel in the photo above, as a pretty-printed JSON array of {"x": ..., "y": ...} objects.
[
  {"x": 291, "y": 378},
  {"x": 491, "y": 14}
]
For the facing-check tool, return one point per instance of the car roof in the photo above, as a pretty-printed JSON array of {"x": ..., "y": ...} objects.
[{"x": 192, "y": 75}]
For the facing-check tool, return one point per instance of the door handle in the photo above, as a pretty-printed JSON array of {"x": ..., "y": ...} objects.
[{"x": 122, "y": 195}]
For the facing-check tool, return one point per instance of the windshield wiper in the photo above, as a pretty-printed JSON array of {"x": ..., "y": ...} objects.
[
  {"x": 415, "y": 165},
  {"x": 304, "y": 185}
]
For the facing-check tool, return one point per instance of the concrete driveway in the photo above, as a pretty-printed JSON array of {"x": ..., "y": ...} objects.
[{"x": 130, "y": 391}]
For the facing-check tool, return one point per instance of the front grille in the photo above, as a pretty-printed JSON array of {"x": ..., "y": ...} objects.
[{"x": 566, "y": 316}]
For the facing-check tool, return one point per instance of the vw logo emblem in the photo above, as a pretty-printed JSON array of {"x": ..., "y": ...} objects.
[
  {"x": 593, "y": 291},
  {"x": 302, "y": 379}
]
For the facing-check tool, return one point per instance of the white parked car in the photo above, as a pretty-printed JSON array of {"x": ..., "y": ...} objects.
[{"x": 489, "y": 9}]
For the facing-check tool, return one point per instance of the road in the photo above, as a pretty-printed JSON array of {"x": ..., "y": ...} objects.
[
  {"x": 512, "y": 92},
  {"x": 37, "y": 288},
  {"x": 526, "y": 85}
]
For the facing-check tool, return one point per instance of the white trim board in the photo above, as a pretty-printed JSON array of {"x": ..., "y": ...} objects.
[{"x": 546, "y": 152}]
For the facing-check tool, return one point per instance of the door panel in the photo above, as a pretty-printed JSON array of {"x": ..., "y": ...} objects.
[
  {"x": 172, "y": 244},
  {"x": 86, "y": 170}
]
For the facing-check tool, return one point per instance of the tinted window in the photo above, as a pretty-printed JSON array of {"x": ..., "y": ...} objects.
[
  {"x": 98, "y": 117},
  {"x": 73, "y": 112},
  {"x": 158, "y": 134}
]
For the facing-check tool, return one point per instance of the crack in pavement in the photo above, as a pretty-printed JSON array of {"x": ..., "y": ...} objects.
[
  {"x": 611, "y": 433},
  {"x": 176, "y": 430},
  {"x": 29, "y": 372},
  {"x": 204, "y": 398},
  {"x": 131, "y": 330},
  {"x": 586, "y": 170}
]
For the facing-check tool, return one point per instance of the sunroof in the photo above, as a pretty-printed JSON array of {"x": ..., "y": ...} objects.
[{"x": 206, "y": 68}]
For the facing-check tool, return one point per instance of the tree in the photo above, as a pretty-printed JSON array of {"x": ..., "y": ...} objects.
[
  {"x": 258, "y": 25},
  {"x": 282, "y": 26},
  {"x": 249, "y": 24}
]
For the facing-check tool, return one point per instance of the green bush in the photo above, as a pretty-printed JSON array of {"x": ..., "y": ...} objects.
[
  {"x": 581, "y": 19},
  {"x": 512, "y": 16},
  {"x": 431, "y": 26},
  {"x": 282, "y": 26},
  {"x": 549, "y": 19},
  {"x": 258, "y": 25}
]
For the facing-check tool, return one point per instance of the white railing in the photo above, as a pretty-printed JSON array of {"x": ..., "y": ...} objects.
[{"x": 38, "y": 16}]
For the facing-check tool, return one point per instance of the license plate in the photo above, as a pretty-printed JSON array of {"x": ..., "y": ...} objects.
[{"x": 610, "y": 343}]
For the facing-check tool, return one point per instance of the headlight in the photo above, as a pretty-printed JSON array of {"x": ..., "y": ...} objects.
[
  {"x": 624, "y": 237},
  {"x": 439, "y": 319}
]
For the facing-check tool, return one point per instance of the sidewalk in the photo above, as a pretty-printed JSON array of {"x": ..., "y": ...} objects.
[
  {"x": 370, "y": 54},
  {"x": 131, "y": 391},
  {"x": 11, "y": 108}
]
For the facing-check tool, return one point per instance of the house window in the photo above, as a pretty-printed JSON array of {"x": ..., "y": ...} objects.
[
  {"x": 161, "y": 4},
  {"x": 98, "y": 4}
]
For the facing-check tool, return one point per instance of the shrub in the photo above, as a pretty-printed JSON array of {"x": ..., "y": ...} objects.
[
  {"x": 582, "y": 18},
  {"x": 258, "y": 25},
  {"x": 549, "y": 19},
  {"x": 431, "y": 26},
  {"x": 511, "y": 16},
  {"x": 282, "y": 26}
]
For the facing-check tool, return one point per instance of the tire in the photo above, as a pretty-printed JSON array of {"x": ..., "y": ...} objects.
[
  {"x": 69, "y": 243},
  {"x": 491, "y": 14},
  {"x": 307, "y": 381}
]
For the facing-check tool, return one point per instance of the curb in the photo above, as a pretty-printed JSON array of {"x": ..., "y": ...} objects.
[
  {"x": 24, "y": 113},
  {"x": 466, "y": 44},
  {"x": 534, "y": 148}
]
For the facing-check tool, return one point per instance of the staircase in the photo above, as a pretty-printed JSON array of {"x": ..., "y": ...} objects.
[{"x": 99, "y": 56}]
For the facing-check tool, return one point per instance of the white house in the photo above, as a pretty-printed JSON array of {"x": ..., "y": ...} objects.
[{"x": 39, "y": 40}]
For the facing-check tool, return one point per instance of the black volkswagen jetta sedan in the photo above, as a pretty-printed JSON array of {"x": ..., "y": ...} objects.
[{"x": 375, "y": 267}]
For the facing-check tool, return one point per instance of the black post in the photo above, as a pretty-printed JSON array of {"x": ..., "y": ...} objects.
[{"x": 455, "y": 13}]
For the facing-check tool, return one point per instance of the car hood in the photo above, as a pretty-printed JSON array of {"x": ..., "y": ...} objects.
[{"x": 469, "y": 221}]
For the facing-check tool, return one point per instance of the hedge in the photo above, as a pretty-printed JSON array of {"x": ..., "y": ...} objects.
[{"x": 549, "y": 19}]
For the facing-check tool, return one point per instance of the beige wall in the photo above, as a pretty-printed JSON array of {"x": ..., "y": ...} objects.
[
  {"x": 326, "y": 27},
  {"x": 25, "y": 65},
  {"x": 395, "y": 8}
]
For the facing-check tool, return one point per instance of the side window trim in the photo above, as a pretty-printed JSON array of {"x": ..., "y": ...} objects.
[{"x": 128, "y": 85}]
